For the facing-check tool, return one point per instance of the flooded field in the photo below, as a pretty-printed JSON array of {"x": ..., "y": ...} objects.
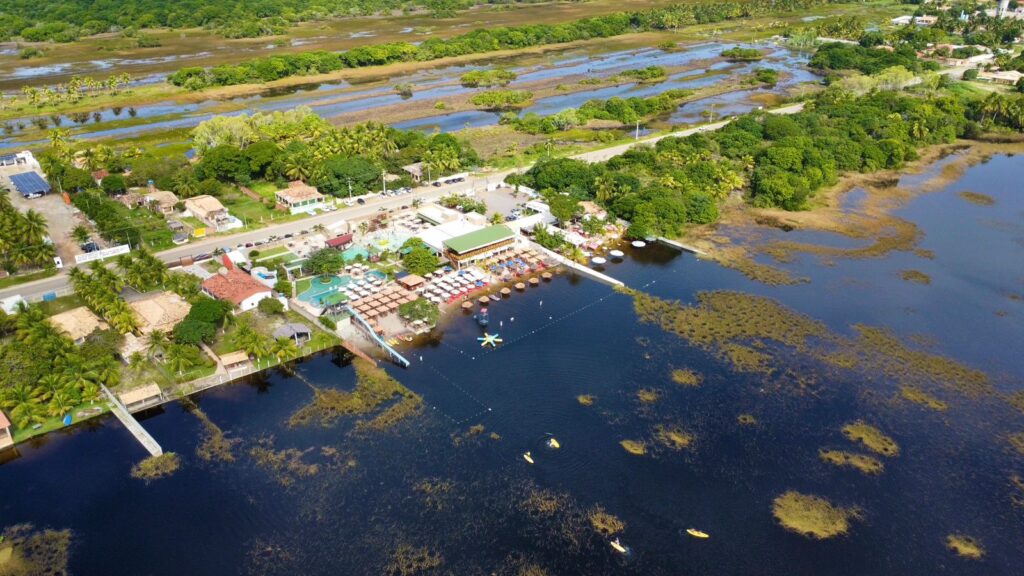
[{"x": 858, "y": 423}]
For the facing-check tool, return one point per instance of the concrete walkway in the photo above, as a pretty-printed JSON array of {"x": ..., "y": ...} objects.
[{"x": 133, "y": 426}]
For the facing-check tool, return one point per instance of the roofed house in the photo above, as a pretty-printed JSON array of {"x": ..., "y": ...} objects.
[
  {"x": 479, "y": 245},
  {"x": 340, "y": 242},
  {"x": 161, "y": 311},
  {"x": 211, "y": 212},
  {"x": 236, "y": 287},
  {"x": 233, "y": 360},
  {"x": 300, "y": 197},
  {"x": 142, "y": 397},
  {"x": 30, "y": 184},
  {"x": 296, "y": 331},
  {"x": 77, "y": 323},
  {"x": 6, "y": 438},
  {"x": 414, "y": 170},
  {"x": 162, "y": 201}
]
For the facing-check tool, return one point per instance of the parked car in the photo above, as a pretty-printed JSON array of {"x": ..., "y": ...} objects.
[
  {"x": 289, "y": 235},
  {"x": 58, "y": 262},
  {"x": 361, "y": 201}
]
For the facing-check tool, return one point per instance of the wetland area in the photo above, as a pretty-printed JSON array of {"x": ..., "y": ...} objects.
[{"x": 859, "y": 422}]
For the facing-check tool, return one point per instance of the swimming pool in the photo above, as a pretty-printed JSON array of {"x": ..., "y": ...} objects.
[{"x": 323, "y": 286}]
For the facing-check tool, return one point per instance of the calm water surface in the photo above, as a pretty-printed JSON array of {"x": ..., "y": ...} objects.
[{"x": 571, "y": 337}]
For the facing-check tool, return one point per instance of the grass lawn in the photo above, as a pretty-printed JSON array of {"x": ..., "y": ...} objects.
[
  {"x": 22, "y": 278},
  {"x": 264, "y": 189},
  {"x": 303, "y": 284},
  {"x": 265, "y": 324},
  {"x": 51, "y": 424},
  {"x": 62, "y": 304},
  {"x": 272, "y": 252}
]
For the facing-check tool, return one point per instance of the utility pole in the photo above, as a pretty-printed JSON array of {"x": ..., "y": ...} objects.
[
  {"x": 637, "y": 136},
  {"x": 384, "y": 182}
]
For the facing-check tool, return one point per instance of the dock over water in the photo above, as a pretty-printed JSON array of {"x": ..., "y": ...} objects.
[
  {"x": 680, "y": 246},
  {"x": 584, "y": 270},
  {"x": 133, "y": 426}
]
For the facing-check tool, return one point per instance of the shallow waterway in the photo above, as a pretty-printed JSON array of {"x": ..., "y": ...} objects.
[{"x": 479, "y": 508}]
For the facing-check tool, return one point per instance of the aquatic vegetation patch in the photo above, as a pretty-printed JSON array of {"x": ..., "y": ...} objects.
[
  {"x": 673, "y": 437},
  {"x": 915, "y": 276},
  {"x": 286, "y": 465},
  {"x": 739, "y": 259},
  {"x": 374, "y": 387},
  {"x": 1017, "y": 441},
  {"x": 410, "y": 560},
  {"x": 435, "y": 492},
  {"x": 1016, "y": 400},
  {"x": 977, "y": 198},
  {"x": 391, "y": 416},
  {"x": 586, "y": 399},
  {"x": 863, "y": 462},
  {"x": 156, "y": 467},
  {"x": 871, "y": 437},
  {"x": 540, "y": 502},
  {"x": 965, "y": 546},
  {"x": 746, "y": 419},
  {"x": 634, "y": 447},
  {"x": 918, "y": 396},
  {"x": 747, "y": 359},
  {"x": 1017, "y": 490},
  {"x": 648, "y": 395},
  {"x": 605, "y": 523},
  {"x": 25, "y": 551},
  {"x": 216, "y": 446},
  {"x": 686, "y": 377},
  {"x": 474, "y": 431},
  {"x": 812, "y": 516}
]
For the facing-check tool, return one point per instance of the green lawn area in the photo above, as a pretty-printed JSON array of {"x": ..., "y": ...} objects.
[
  {"x": 264, "y": 189},
  {"x": 272, "y": 252},
  {"x": 51, "y": 424},
  {"x": 265, "y": 324},
  {"x": 22, "y": 278},
  {"x": 62, "y": 304},
  {"x": 303, "y": 284}
]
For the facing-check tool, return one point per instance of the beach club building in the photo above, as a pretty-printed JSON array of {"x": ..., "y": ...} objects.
[
  {"x": 237, "y": 287},
  {"x": 479, "y": 245}
]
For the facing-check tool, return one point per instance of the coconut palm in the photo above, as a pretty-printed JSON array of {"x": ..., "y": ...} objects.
[
  {"x": 156, "y": 343},
  {"x": 24, "y": 404},
  {"x": 180, "y": 358},
  {"x": 285, "y": 349},
  {"x": 33, "y": 227}
]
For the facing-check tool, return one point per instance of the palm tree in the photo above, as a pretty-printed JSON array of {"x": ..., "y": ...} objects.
[
  {"x": 63, "y": 397},
  {"x": 33, "y": 227},
  {"x": 285, "y": 349},
  {"x": 179, "y": 358},
  {"x": 156, "y": 343},
  {"x": 24, "y": 404},
  {"x": 80, "y": 234}
]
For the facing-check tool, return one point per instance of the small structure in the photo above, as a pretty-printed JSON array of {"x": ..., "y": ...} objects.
[
  {"x": 234, "y": 360},
  {"x": 479, "y": 245},
  {"x": 592, "y": 210},
  {"x": 415, "y": 170},
  {"x": 161, "y": 311},
  {"x": 1009, "y": 77},
  {"x": 131, "y": 200},
  {"x": 236, "y": 287},
  {"x": 6, "y": 438},
  {"x": 918, "y": 20},
  {"x": 434, "y": 238},
  {"x": 139, "y": 398},
  {"x": 77, "y": 323},
  {"x": 162, "y": 201},
  {"x": 23, "y": 158},
  {"x": 300, "y": 333},
  {"x": 12, "y": 304},
  {"x": 436, "y": 214},
  {"x": 340, "y": 242},
  {"x": 211, "y": 212},
  {"x": 299, "y": 197},
  {"x": 411, "y": 281},
  {"x": 99, "y": 175},
  {"x": 30, "y": 184}
]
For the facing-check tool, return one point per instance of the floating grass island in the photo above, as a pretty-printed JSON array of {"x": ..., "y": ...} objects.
[
  {"x": 606, "y": 524},
  {"x": 686, "y": 377},
  {"x": 812, "y": 516},
  {"x": 634, "y": 447},
  {"x": 25, "y": 551},
  {"x": 648, "y": 395},
  {"x": 915, "y": 276},
  {"x": 965, "y": 546},
  {"x": 872, "y": 438},
  {"x": 374, "y": 388},
  {"x": 918, "y": 396},
  {"x": 673, "y": 437},
  {"x": 864, "y": 463},
  {"x": 746, "y": 419},
  {"x": 586, "y": 399},
  {"x": 156, "y": 467},
  {"x": 978, "y": 198},
  {"x": 410, "y": 560}
]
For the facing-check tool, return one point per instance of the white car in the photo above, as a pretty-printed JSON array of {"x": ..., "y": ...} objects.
[{"x": 58, "y": 262}]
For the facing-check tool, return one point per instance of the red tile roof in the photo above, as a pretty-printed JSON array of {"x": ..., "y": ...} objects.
[
  {"x": 4, "y": 422},
  {"x": 340, "y": 241},
  {"x": 100, "y": 174},
  {"x": 234, "y": 286}
]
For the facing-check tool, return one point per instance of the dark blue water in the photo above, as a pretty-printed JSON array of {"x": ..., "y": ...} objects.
[{"x": 574, "y": 336}]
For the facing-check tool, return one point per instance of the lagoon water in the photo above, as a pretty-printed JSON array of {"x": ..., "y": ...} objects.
[{"x": 570, "y": 337}]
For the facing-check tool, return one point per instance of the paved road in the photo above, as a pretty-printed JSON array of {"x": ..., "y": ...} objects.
[{"x": 34, "y": 290}]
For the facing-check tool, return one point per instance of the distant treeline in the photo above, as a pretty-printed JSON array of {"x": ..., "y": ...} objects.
[
  {"x": 479, "y": 41},
  {"x": 839, "y": 56},
  {"x": 68, "y": 20}
]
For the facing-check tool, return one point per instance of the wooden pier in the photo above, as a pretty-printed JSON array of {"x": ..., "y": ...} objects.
[
  {"x": 680, "y": 246},
  {"x": 584, "y": 270},
  {"x": 133, "y": 426}
]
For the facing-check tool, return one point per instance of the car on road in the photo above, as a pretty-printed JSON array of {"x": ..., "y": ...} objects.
[
  {"x": 248, "y": 244},
  {"x": 361, "y": 201},
  {"x": 289, "y": 235}
]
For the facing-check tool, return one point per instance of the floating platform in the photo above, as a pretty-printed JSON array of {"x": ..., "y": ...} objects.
[
  {"x": 546, "y": 276},
  {"x": 467, "y": 305},
  {"x": 638, "y": 243},
  {"x": 617, "y": 254},
  {"x": 597, "y": 260},
  {"x": 484, "y": 300}
]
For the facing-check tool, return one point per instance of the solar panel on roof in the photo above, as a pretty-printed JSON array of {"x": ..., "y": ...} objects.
[
  {"x": 28, "y": 183},
  {"x": 8, "y": 158}
]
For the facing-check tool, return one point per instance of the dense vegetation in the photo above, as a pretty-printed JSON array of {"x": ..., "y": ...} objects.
[
  {"x": 487, "y": 78},
  {"x": 624, "y": 111},
  {"x": 100, "y": 289},
  {"x": 839, "y": 56},
  {"x": 68, "y": 20},
  {"x": 23, "y": 240},
  {"x": 740, "y": 54},
  {"x": 478, "y": 42},
  {"x": 779, "y": 161}
]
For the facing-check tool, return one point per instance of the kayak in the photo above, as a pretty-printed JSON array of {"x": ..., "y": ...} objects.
[
  {"x": 697, "y": 533},
  {"x": 618, "y": 546},
  {"x": 528, "y": 457}
]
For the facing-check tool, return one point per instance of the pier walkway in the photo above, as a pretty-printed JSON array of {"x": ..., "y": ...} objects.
[
  {"x": 133, "y": 426},
  {"x": 680, "y": 246},
  {"x": 584, "y": 270},
  {"x": 398, "y": 358}
]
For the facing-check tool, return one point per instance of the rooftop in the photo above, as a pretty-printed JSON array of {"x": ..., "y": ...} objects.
[
  {"x": 479, "y": 239},
  {"x": 28, "y": 183},
  {"x": 300, "y": 191},
  {"x": 232, "y": 358},
  {"x": 162, "y": 197},
  {"x": 77, "y": 323},
  {"x": 233, "y": 285},
  {"x": 161, "y": 311},
  {"x": 142, "y": 394},
  {"x": 291, "y": 330},
  {"x": 204, "y": 204}
]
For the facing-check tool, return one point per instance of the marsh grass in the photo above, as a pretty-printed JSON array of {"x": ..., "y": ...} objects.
[
  {"x": 918, "y": 396},
  {"x": 686, "y": 377},
  {"x": 374, "y": 387},
  {"x": 965, "y": 546},
  {"x": 915, "y": 276},
  {"x": 586, "y": 399},
  {"x": 156, "y": 467},
  {"x": 1017, "y": 490},
  {"x": 25, "y": 551},
  {"x": 872, "y": 438},
  {"x": 434, "y": 492},
  {"x": 673, "y": 437},
  {"x": 648, "y": 395},
  {"x": 977, "y": 198},
  {"x": 1017, "y": 441},
  {"x": 409, "y": 560},
  {"x": 604, "y": 523},
  {"x": 634, "y": 447},
  {"x": 746, "y": 419},
  {"x": 812, "y": 516},
  {"x": 215, "y": 446},
  {"x": 286, "y": 465},
  {"x": 866, "y": 464}
]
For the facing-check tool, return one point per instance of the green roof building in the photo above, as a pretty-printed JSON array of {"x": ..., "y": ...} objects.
[{"x": 479, "y": 245}]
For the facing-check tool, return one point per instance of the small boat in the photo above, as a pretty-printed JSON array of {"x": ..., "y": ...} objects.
[
  {"x": 616, "y": 254},
  {"x": 697, "y": 533},
  {"x": 553, "y": 443},
  {"x": 528, "y": 457},
  {"x": 618, "y": 546},
  {"x": 639, "y": 243},
  {"x": 598, "y": 260}
]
